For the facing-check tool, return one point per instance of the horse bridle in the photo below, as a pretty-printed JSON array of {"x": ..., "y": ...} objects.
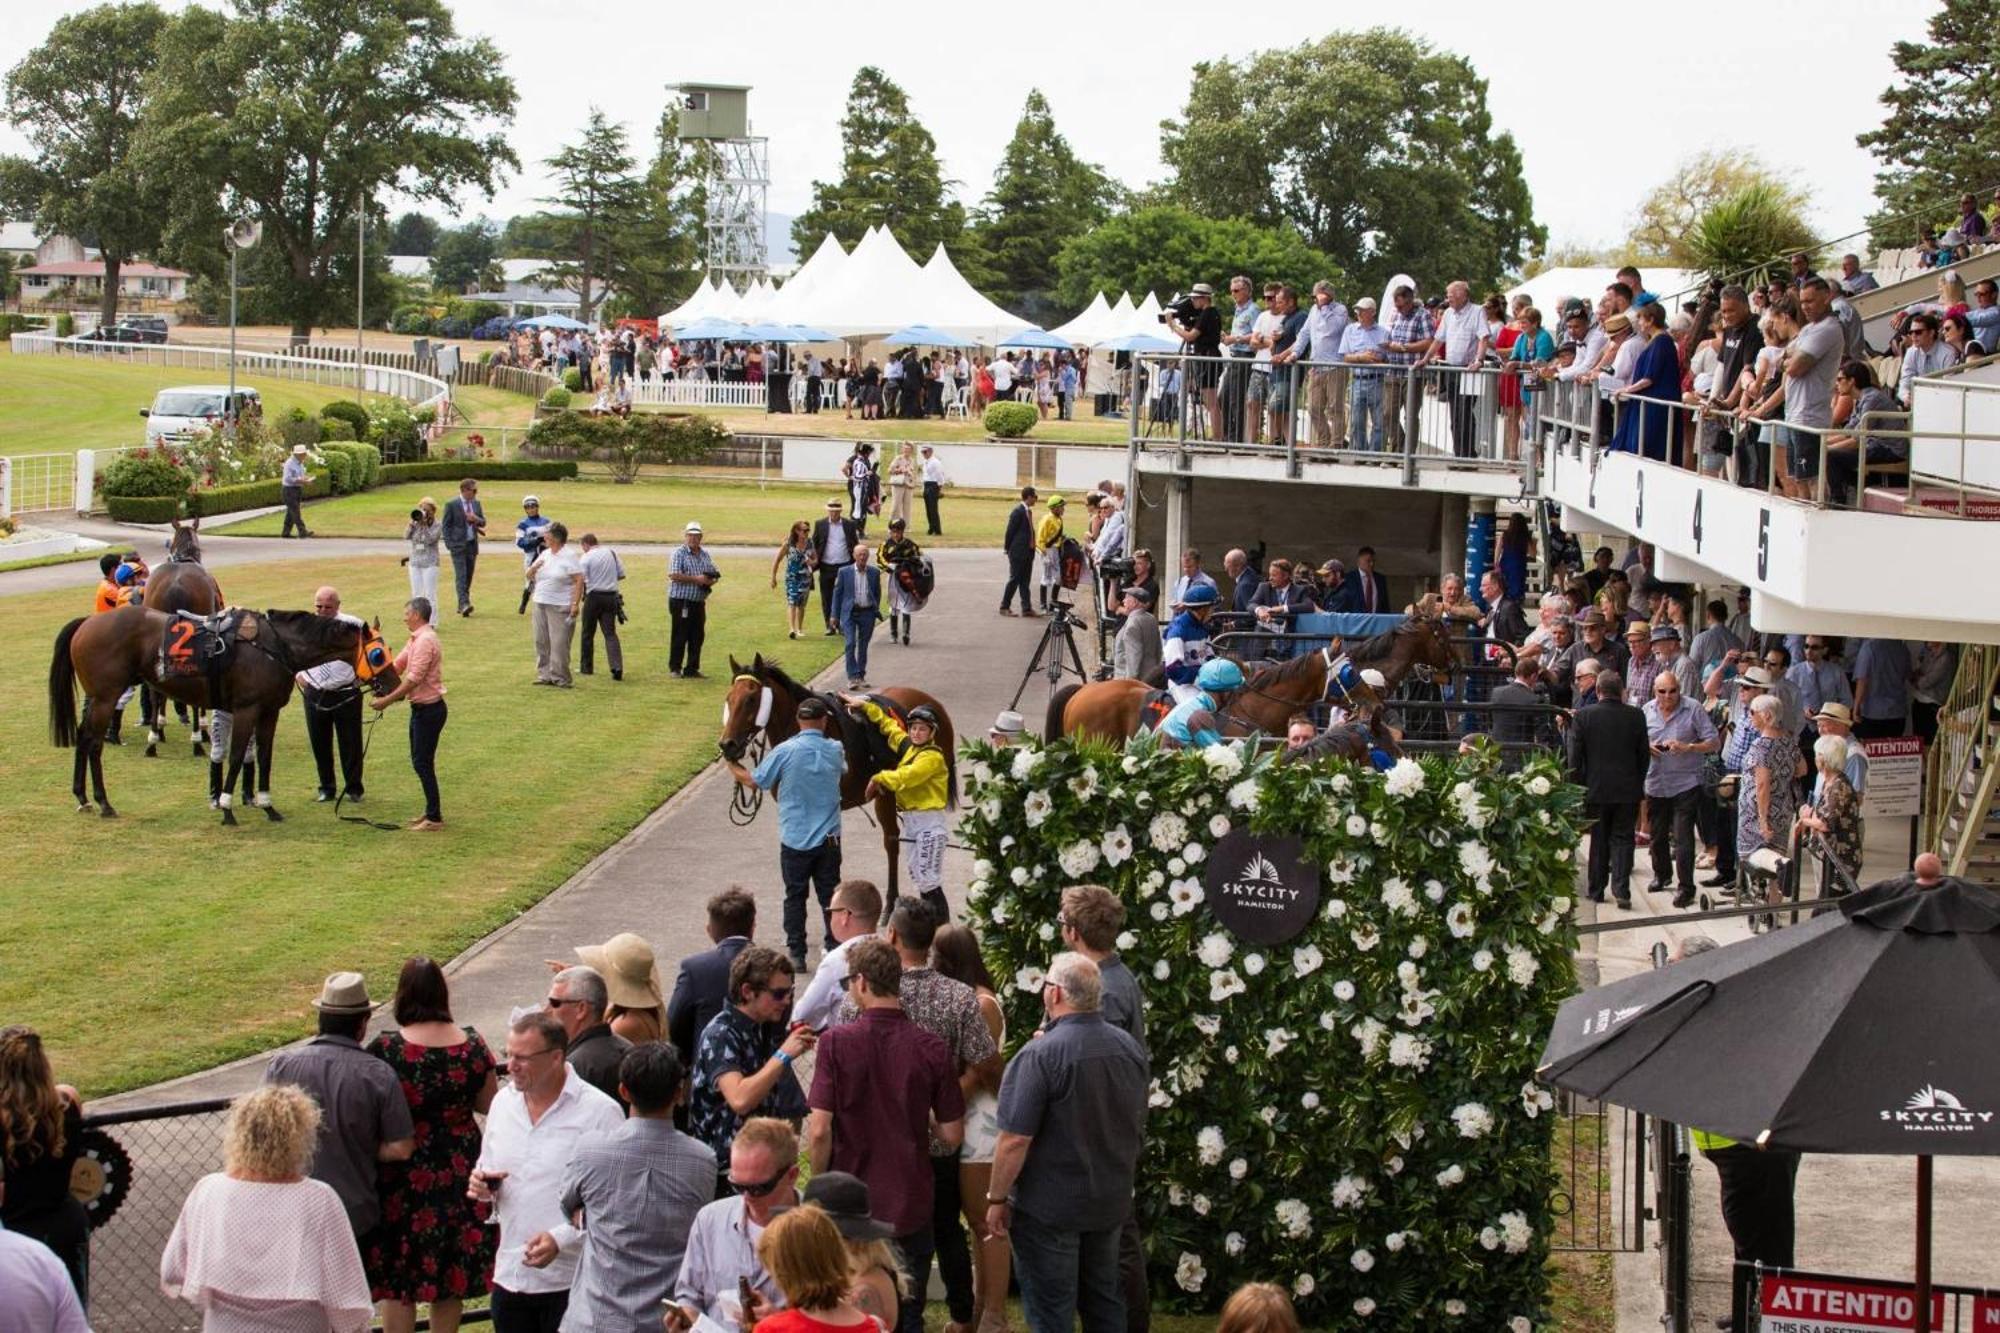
[{"x": 745, "y": 802}]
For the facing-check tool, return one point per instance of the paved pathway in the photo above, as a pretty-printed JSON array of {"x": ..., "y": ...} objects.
[{"x": 657, "y": 879}]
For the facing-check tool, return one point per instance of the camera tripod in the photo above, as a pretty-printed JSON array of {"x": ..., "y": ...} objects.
[{"x": 1058, "y": 637}]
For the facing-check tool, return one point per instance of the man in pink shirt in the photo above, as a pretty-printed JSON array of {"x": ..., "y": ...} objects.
[{"x": 421, "y": 666}]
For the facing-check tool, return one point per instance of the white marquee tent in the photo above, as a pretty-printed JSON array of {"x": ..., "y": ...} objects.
[{"x": 1084, "y": 329}]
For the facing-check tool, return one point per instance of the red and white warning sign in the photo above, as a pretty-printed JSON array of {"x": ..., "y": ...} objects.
[{"x": 1794, "y": 1304}]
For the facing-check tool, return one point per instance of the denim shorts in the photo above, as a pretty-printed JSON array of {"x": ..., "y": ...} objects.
[{"x": 1260, "y": 386}]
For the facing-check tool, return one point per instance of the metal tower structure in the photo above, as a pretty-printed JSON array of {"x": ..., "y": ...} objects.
[{"x": 718, "y": 115}]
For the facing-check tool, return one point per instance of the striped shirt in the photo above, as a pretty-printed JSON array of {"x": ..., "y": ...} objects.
[
  {"x": 639, "y": 1188},
  {"x": 686, "y": 561},
  {"x": 337, "y": 674},
  {"x": 602, "y": 569}
]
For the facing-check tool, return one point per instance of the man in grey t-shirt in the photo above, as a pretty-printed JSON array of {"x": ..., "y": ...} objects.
[{"x": 1811, "y": 362}]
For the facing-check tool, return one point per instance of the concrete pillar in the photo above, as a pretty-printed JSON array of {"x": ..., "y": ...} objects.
[
  {"x": 1180, "y": 528},
  {"x": 1481, "y": 529},
  {"x": 1451, "y": 535},
  {"x": 86, "y": 479}
]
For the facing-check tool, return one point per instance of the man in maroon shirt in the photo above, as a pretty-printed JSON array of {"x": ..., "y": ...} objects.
[{"x": 878, "y": 1085}]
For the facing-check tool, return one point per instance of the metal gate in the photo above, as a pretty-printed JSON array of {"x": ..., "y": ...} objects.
[
  {"x": 38, "y": 482},
  {"x": 1600, "y": 1203}
]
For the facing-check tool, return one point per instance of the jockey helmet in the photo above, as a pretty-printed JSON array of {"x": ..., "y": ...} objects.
[{"x": 1219, "y": 673}]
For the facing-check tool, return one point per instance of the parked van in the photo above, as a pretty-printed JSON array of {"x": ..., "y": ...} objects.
[{"x": 179, "y": 412}]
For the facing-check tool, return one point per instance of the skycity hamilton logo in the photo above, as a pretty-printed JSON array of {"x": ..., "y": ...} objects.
[
  {"x": 1932, "y": 1110},
  {"x": 1261, "y": 887}
]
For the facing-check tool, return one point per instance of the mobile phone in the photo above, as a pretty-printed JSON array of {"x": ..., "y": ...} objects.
[{"x": 744, "y": 1294}]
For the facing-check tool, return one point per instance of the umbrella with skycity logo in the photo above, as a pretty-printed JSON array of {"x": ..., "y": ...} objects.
[{"x": 1868, "y": 1030}]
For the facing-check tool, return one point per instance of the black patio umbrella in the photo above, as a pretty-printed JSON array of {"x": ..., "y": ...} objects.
[{"x": 1869, "y": 1029}]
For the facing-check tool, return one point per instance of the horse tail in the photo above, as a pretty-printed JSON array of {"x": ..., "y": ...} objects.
[
  {"x": 62, "y": 689},
  {"x": 1052, "y": 728}
]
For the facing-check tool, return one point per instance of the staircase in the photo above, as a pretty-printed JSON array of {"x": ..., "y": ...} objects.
[{"x": 1962, "y": 771}]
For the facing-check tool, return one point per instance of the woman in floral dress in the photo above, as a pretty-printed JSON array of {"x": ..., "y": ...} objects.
[{"x": 431, "y": 1247}]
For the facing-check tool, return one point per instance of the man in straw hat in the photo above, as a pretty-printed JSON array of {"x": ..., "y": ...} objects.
[
  {"x": 292, "y": 487},
  {"x": 364, "y": 1118}
]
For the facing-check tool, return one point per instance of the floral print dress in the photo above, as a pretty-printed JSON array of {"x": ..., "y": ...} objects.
[{"x": 431, "y": 1244}]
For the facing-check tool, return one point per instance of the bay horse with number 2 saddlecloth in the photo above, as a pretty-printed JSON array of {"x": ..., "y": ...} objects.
[
  {"x": 181, "y": 584},
  {"x": 762, "y": 710},
  {"x": 258, "y": 653}
]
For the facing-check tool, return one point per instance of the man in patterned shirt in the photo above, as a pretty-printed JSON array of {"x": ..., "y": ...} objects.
[
  {"x": 690, "y": 574},
  {"x": 1409, "y": 342},
  {"x": 743, "y": 1062}
]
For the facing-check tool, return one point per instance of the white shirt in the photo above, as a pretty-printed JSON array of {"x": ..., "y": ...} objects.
[
  {"x": 534, "y": 1154},
  {"x": 1586, "y": 360},
  {"x": 1267, "y": 326},
  {"x": 1461, "y": 331},
  {"x": 933, "y": 471},
  {"x": 552, "y": 572},
  {"x": 40, "y": 1298},
  {"x": 836, "y": 544},
  {"x": 816, "y": 1008},
  {"x": 1622, "y": 363},
  {"x": 1003, "y": 375},
  {"x": 337, "y": 674},
  {"x": 601, "y": 569}
]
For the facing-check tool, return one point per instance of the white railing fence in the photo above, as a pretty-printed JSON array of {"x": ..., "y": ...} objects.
[
  {"x": 37, "y": 482},
  {"x": 418, "y": 390}
]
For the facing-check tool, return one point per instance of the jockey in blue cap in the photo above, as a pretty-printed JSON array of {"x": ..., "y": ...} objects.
[
  {"x": 1187, "y": 647},
  {"x": 1193, "y": 720}
]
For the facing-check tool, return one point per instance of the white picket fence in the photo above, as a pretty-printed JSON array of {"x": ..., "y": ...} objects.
[
  {"x": 416, "y": 389},
  {"x": 700, "y": 393}
]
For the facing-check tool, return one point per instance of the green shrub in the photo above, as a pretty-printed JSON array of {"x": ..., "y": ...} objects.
[
  {"x": 625, "y": 442},
  {"x": 250, "y": 495},
  {"x": 299, "y": 427},
  {"x": 149, "y": 472},
  {"x": 410, "y": 319},
  {"x": 354, "y": 414},
  {"x": 556, "y": 397},
  {"x": 486, "y": 469},
  {"x": 371, "y": 463},
  {"x": 343, "y": 472},
  {"x": 396, "y": 431},
  {"x": 143, "y": 508},
  {"x": 65, "y": 325},
  {"x": 1010, "y": 421},
  {"x": 573, "y": 379},
  {"x": 333, "y": 430},
  {"x": 13, "y": 324}
]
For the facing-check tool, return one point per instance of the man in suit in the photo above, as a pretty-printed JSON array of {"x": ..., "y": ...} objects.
[
  {"x": 1608, "y": 756},
  {"x": 702, "y": 988},
  {"x": 1371, "y": 586},
  {"x": 1020, "y": 547},
  {"x": 1135, "y": 653},
  {"x": 1518, "y": 716},
  {"x": 1503, "y": 619},
  {"x": 857, "y": 607},
  {"x": 833, "y": 541},
  {"x": 464, "y": 521}
]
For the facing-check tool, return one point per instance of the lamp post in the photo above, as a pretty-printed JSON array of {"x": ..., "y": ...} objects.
[{"x": 239, "y": 235}]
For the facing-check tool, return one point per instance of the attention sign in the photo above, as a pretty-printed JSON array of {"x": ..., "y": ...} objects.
[{"x": 1793, "y": 1304}]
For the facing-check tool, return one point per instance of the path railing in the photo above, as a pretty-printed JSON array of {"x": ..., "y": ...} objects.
[{"x": 1963, "y": 762}]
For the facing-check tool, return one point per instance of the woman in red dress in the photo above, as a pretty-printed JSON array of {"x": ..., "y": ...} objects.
[
  {"x": 432, "y": 1246},
  {"x": 1510, "y": 383}
]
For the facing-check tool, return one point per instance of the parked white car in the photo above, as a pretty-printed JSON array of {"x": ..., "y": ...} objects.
[{"x": 177, "y": 413}]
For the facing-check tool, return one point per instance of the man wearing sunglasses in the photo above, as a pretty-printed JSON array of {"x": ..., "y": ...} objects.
[
  {"x": 333, "y": 711},
  {"x": 722, "y": 1246},
  {"x": 743, "y": 1062}
]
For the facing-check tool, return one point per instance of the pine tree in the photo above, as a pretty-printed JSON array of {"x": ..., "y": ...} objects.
[
  {"x": 596, "y": 195},
  {"x": 1938, "y": 138},
  {"x": 889, "y": 176},
  {"x": 1043, "y": 196}
]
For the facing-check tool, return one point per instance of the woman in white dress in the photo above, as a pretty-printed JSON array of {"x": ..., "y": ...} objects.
[
  {"x": 261, "y": 1247},
  {"x": 955, "y": 954}
]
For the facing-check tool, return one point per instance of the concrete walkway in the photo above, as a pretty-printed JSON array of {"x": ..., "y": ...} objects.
[{"x": 656, "y": 880}]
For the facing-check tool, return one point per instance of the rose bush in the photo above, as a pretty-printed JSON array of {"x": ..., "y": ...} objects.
[{"x": 1353, "y": 1112}]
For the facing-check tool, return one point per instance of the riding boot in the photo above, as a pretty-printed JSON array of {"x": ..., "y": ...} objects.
[
  {"x": 111, "y": 737},
  {"x": 938, "y": 903}
]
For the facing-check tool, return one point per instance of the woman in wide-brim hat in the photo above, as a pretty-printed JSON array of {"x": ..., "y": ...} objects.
[{"x": 638, "y": 1009}]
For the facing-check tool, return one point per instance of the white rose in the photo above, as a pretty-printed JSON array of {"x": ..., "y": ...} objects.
[
  {"x": 1362, "y": 1261},
  {"x": 1454, "y": 1308},
  {"x": 1161, "y": 971},
  {"x": 1047, "y": 930},
  {"x": 1189, "y": 1273},
  {"x": 1194, "y": 852},
  {"x": 1253, "y": 963},
  {"x": 1176, "y": 865},
  {"x": 1394, "y": 1166},
  {"x": 1302, "y": 1285},
  {"x": 1277, "y": 1039},
  {"x": 1520, "y": 1323},
  {"x": 1233, "y": 1244},
  {"x": 1307, "y": 960},
  {"x": 1378, "y": 830},
  {"x": 1538, "y": 785},
  {"x": 1482, "y": 960},
  {"x": 1473, "y": 1120},
  {"x": 1238, "y": 1168},
  {"x": 1365, "y": 937},
  {"x": 1215, "y": 950},
  {"x": 1200, "y": 1204},
  {"x": 1218, "y": 827},
  {"x": 1335, "y": 909},
  {"x": 1026, "y": 761},
  {"x": 1395, "y": 1241},
  {"x": 1451, "y": 1175},
  {"x": 1160, "y": 911},
  {"x": 1242, "y": 796},
  {"x": 1364, "y": 1306},
  {"x": 1209, "y": 1144},
  {"x": 1310, "y": 1101},
  {"x": 1458, "y": 918},
  {"x": 1207, "y": 1024},
  {"x": 1419, "y": 947},
  {"x": 1126, "y": 940},
  {"x": 1231, "y": 1054},
  {"x": 1405, "y": 779},
  {"x": 1019, "y": 874},
  {"x": 1356, "y": 826},
  {"x": 1030, "y": 979},
  {"x": 1037, "y": 808}
]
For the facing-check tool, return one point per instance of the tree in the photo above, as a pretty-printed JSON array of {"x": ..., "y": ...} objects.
[
  {"x": 889, "y": 176},
  {"x": 1166, "y": 248},
  {"x": 1376, "y": 147},
  {"x": 78, "y": 99},
  {"x": 1750, "y": 235},
  {"x": 1938, "y": 138},
  {"x": 1661, "y": 226},
  {"x": 466, "y": 257},
  {"x": 1043, "y": 194},
  {"x": 298, "y": 112},
  {"x": 413, "y": 234},
  {"x": 528, "y": 234},
  {"x": 655, "y": 244},
  {"x": 596, "y": 193}
]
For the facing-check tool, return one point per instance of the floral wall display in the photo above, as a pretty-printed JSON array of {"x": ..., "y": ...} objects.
[{"x": 1352, "y": 1112}]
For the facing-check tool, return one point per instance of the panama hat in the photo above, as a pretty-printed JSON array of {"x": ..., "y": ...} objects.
[
  {"x": 631, "y": 975},
  {"x": 1831, "y": 712},
  {"x": 343, "y": 993}
]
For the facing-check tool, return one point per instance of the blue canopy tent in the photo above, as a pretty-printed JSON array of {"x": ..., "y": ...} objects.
[
  {"x": 563, "y": 322},
  {"x": 1034, "y": 337},
  {"x": 1140, "y": 342},
  {"x": 783, "y": 333},
  {"x": 923, "y": 335}
]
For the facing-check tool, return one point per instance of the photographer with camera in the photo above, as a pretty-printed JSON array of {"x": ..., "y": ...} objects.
[
  {"x": 424, "y": 535},
  {"x": 1198, "y": 324},
  {"x": 603, "y": 605}
]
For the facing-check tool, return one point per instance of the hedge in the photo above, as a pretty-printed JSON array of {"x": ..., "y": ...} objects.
[
  {"x": 203, "y": 504},
  {"x": 354, "y": 414},
  {"x": 651, "y": 437},
  {"x": 143, "y": 508},
  {"x": 341, "y": 469},
  {"x": 335, "y": 430},
  {"x": 354, "y": 467},
  {"x": 485, "y": 469},
  {"x": 1010, "y": 421}
]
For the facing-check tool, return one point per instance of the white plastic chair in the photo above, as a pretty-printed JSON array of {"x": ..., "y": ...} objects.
[{"x": 956, "y": 407}]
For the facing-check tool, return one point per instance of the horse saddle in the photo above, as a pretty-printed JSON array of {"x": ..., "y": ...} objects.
[
  {"x": 1153, "y": 709},
  {"x": 868, "y": 750},
  {"x": 201, "y": 646}
]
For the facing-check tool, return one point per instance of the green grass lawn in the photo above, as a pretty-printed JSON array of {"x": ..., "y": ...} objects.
[
  {"x": 160, "y": 943},
  {"x": 652, "y": 510}
]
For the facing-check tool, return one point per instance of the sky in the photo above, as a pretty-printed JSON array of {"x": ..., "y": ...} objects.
[{"x": 1603, "y": 100}]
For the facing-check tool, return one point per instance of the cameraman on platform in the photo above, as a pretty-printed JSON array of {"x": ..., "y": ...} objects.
[{"x": 1198, "y": 324}]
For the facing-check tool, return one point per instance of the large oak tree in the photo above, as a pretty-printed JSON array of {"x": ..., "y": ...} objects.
[{"x": 301, "y": 113}]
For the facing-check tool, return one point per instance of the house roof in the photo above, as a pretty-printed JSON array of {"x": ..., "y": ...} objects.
[{"x": 94, "y": 268}]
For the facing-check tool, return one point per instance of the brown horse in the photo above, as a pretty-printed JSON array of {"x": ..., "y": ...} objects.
[
  {"x": 181, "y": 584},
  {"x": 1109, "y": 709},
  {"x": 762, "y": 710},
  {"x": 109, "y": 653}
]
